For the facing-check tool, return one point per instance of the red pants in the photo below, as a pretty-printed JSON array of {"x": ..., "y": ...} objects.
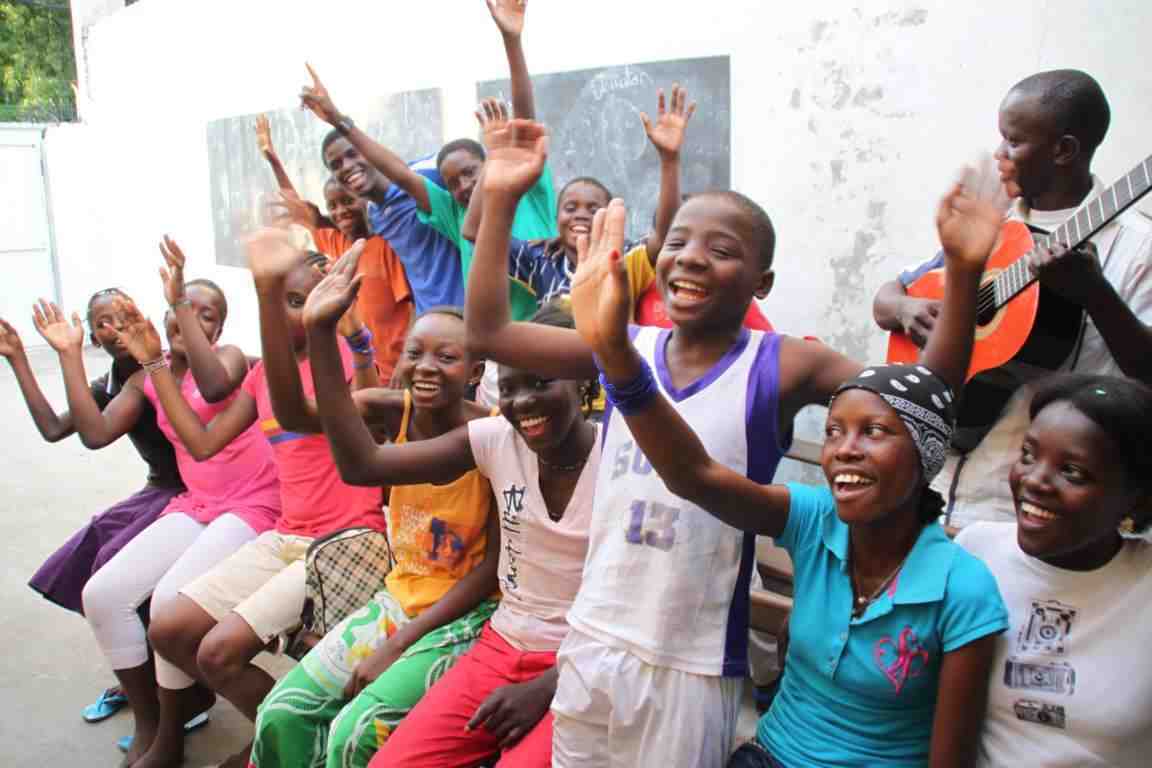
[{"x": 433, "y": 735}]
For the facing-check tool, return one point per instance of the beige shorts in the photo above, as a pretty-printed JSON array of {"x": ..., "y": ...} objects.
[{"x": 262, "y": 582}]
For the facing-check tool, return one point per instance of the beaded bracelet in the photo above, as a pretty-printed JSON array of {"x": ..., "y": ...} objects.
[
  {"x": 152, "y": 366},
  {"x": 631, "y": 396},
  {"x": 361, "y": 341}
]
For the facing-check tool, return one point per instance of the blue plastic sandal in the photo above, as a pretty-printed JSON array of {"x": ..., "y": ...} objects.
[
  {"x": 111, "y": 701},
  {"x": 199, "y": 721}
]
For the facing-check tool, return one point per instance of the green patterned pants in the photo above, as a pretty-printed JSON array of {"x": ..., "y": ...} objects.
[{"x": 305, "y": 722}]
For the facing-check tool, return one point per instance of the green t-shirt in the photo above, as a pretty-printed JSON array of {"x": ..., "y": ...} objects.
[{"x": 535, "y": 218}]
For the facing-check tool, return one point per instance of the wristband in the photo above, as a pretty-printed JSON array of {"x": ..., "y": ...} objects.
[
  {"x": 344, "y": 125},
  {"x": 360, "y": 342},
  {"x": 631, "y": 396},
  {"x": 152, "y": 366},
  {"x": 184, "y": 302}
]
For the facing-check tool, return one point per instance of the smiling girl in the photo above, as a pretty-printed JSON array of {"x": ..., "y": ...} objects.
[{"x": 1066, "y": 688}]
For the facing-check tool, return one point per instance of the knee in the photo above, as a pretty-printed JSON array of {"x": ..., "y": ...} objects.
[
  {"x": 220, "y": 659},
  {"x": 98, "y": 598},
  {"x": 166, "y": 633}
]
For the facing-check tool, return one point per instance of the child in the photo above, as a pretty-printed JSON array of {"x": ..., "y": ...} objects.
[
  {"x": 63, "y": 575},
  {"x": 541, "y": 457},
  {"x": 385, "y": 300},
  {"x": 1066, "y": 687},
  {"x": 652, "y": 650},
  {"x": 229, "y": 499},
  {"x": 459, "y": 162},
  {"x": 349, "y": 692},
  {"x": 219, "y": 622}
]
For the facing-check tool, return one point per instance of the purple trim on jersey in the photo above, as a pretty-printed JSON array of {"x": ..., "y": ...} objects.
[
  {"x": 715, "y": 372},
  {"x": 909, "y": 276},
  {"x": 765, "y": 449}
]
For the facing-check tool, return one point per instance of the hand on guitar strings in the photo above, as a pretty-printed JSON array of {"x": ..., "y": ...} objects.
[
  {"x": 918, "y": 318},
  {"x": 1075, "y": 274}
]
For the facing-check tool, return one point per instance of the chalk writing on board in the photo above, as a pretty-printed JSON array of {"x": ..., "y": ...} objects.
[
  {"x": 242, "y": 184},
  {"x": 593, "y": 117}
]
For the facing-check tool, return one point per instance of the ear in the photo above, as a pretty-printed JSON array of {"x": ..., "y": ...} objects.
[
  {"x": 477, "y": 373},
  {"x": 1067, "y": 150},
  {"x": 765, "y": 283},
  {"x": 92, "y": 338},
  {"x": 1141, "y": 512}
]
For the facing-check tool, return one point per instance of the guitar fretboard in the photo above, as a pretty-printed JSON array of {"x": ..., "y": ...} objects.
[{"x": 1074, "y": 232}]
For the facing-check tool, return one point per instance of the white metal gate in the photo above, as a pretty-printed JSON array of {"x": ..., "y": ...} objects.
[{"x": 27, "y": 250}]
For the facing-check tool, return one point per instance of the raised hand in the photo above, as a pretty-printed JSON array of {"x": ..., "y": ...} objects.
[
  {"x": 271, "y": 254},
  {"x": 516, "y": 158},
  {"x": 600, "y": 287},
  {"x": 264, "y": 136},
  {"x": 10, "y": 343},
  {"x": 54, "y": 327},
  {"x": 493, "y": 117},
  {"x": 172, "y": 275},
  {"x": 299, "y": 211},
  {"x": 967, "y": 227},
  {"x": 667, "y": 133},
  {"x": 333, "y": 297},
  {"x": 138, "y": 336},
  {"x": 316, "y": 98},
  {"x": 508, "y": 15}
]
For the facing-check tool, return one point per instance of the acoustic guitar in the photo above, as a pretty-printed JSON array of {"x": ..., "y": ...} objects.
[{"x": 1022, "y": 327}]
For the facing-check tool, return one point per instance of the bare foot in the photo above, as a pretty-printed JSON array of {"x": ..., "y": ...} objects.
[
  {"x": 142, "y": 739},
  {"x": 238, "y": 760}
]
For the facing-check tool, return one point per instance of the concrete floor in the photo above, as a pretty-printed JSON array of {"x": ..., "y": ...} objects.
[{"x": 53, "y": 668}]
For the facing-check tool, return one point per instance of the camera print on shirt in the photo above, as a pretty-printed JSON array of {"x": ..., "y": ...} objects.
[
  {"x": 511, "y": 527},
  {"x": 650, "y": 523},
  {"x": 1045, "y": 634}
]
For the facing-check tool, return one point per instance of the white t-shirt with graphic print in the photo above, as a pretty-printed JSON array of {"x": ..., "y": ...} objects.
[{"x": 1071, "y": 684}]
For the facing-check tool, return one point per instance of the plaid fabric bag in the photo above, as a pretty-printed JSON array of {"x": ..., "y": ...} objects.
[{"x": 344, "y": 570}]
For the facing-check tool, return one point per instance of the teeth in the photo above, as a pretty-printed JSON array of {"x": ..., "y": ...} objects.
[
  {"x": 532, "y": 421},
  {"x": 425, "y": 386},
  {"x": 1032, "y": 510},
  {"x": 845, "y": 478},
  {"x": 580, "y": 229}
]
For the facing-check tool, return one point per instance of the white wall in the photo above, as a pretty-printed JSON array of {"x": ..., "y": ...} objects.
[{"x": 848, "y": 118}]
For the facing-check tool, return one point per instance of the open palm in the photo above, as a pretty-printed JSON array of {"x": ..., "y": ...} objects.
[
  {"x": 667, "y": 133},
  {"x": 10, "y": 343},
  {"x": 55, "y": 328},
  {"x": 508, "y": 15},
  {"x": 271, "y": 253},
  {"x": 967, "y": 227},
  {"x": 332, "y": 298},
  {"x": 517, "y": 157},
  {"x": 600, "y": 287},
  {"x": 139, "y": 335},
  {"x": 264, "y": 135}
]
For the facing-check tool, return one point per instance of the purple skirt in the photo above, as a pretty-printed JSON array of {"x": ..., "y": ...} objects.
[{"x": 62, "y": 577}]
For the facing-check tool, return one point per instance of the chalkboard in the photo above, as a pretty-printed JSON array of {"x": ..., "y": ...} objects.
[
  {"x": 409, "y": 123},
  {"x": 593, "y": 116}
]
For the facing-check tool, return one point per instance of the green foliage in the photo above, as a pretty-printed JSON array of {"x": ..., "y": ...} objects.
[{"x": 37, "y": 66}]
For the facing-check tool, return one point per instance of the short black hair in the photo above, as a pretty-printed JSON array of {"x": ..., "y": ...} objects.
[
  {"x": 468, "y": 145},
  {"x": 329, "y": 137},
  {"x": 206, "y": 283},
  {"x": 1121, "y": 407},
  {"x": 315, "y": 258},
  {"x": 100, "y": 295},
  {"x": 591, "y": 181},
  {"x": 443, "y": 309},
  {"x": 761, "y": 223},
  {"x": 1075, "y": 102}
]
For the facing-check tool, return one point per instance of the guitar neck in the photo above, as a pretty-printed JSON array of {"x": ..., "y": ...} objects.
[{"x": 1078, "y": 229}]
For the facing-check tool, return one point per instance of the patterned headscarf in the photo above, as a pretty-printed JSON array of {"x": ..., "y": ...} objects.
[{"x": 922, "y": 401}]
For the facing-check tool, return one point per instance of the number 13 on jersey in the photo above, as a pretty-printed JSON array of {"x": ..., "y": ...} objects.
[{"x": 653, "y": 524}]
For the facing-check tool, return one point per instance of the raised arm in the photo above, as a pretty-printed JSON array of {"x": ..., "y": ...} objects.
[
  {"x": 217, "y": 372},
  {"x": 96, "y": 428},
  {"x": 601, "y": 308},
  {"x": 667, "y": 136},
  {"x": 264, "y": 140},
  {"x": 514, "y": 163},
  {"x": 493, "y": 118},
  {"x": 140, "y": 338},
  {"x": 360, "y": 460},
  {"x": 52, "y": 426},
  {"x": 509, "y": 18},
  {"x": 317, "y": 99}
]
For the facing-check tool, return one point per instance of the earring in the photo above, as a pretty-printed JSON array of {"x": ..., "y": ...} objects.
[{"x": 1128, "y": 525}]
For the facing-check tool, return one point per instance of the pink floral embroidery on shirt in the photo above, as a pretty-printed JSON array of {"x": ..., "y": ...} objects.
[{"x": 910, "y": 657}]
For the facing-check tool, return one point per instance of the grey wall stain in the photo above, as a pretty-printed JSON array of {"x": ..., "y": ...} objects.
[
  {"x": 795, "y": 100},
  {"x": 837, "y": 168},
  {"x": 850, "y": 315},
  {"x": 866, "y": 96},
  {"x": 913, "y": 17},
  {"x": 812, "y": 125},
  {"x": 818, "y": 30}
]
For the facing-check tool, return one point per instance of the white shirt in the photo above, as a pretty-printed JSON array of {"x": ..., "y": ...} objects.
[
  {"x": 1125, "y": 249},
  {"x": 541, "y": 560},
  {"x": 1071, "y": 684}
]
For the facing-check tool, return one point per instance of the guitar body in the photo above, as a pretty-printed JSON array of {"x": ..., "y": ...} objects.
[{"x": 1036, "y": 329}]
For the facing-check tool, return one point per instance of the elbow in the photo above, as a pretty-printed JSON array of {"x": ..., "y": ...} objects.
[
  {"x": 215, "y": 394},
  {"x": 201, "y": 453},
  {"x": 56, "y": 435},
  {"x": 479, "y": 340},
  {"x": 354, "y": 473},
  {"x": 92, "y": 443}
]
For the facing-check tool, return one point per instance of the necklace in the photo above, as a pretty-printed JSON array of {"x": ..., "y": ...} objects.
[
  {"x": 562, "y": 467},
  {"x": 861, "y": 602}
]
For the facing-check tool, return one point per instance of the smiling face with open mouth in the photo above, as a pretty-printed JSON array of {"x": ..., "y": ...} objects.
[
  {"x": 350, "y": 168},
  {"x": 710, "y": 265},
  {"x": 543, "y": 411},
  {"x": 436, "y": 366},
  {"x": 102, "y": 318},
  {"x": 1070, "y": 489},
  {"x": 346, "y": 210},
  {"x": 575, "y": 209},
  {"x": 869, "y": 459}
]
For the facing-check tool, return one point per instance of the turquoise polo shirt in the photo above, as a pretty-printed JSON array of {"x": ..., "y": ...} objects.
[
  {"x": 863, "y": 691},
  {"x": 535, "y": 219}
]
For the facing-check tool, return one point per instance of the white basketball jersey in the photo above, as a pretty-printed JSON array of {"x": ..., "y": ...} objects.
[{"x": 664, "y": 579}]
